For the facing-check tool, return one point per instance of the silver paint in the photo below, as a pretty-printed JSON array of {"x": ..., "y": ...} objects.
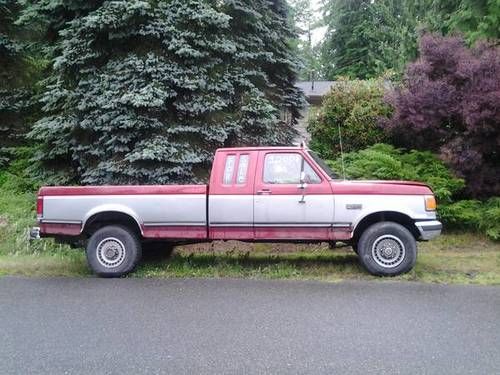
[
  {"x": 174, "y": 208},
  {"x": 288, "y": 209}
]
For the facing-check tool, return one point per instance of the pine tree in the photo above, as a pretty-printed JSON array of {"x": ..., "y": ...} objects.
[
  {"x": 14, "y": 98},
  {"x": 145, "y": 91},
  {"x": 306, "y": 21},
  {"x": 366, "y": 38}
]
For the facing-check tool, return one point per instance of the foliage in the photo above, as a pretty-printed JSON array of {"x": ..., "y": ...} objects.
[
  {"x": 367, "y": 38},
  {"x": 385, "y": 162},
  {"x": 449, "y": 103},
  {"x": 354, "y": 106},
  {"x": 474, "y": 215},
  {"x": 305, "y": 20},
  {"x": 145, "y": 91},
  {"x": 478, "y": 19},
  {"x": 14, "y": 95}
]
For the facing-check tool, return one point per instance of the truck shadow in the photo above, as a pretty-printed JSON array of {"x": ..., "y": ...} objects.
[{"x": 251, "y": 262}]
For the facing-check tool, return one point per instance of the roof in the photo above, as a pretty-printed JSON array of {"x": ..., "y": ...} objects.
[
  {"x": 261, "y": 148},
  {"x": 315, "y": 88}
]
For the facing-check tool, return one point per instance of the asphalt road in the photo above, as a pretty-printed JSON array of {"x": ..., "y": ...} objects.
[{"x": 144, "y": 326}]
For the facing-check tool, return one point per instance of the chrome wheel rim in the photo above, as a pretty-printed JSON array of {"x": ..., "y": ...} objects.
[
  {"x": 388, "y": 251},
  {"x": 110, "y": 252}
]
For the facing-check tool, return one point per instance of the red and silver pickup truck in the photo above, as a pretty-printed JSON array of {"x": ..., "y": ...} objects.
[{"x": 265, "y": 194}]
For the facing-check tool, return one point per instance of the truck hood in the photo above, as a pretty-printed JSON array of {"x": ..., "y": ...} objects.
[{"x": 380, "y": 187}]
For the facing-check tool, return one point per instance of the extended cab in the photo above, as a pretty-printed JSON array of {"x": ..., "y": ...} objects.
[{"x": 254, "y": 194}]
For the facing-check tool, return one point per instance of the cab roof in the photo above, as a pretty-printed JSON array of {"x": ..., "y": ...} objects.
[{"x": 262, "y": 148}]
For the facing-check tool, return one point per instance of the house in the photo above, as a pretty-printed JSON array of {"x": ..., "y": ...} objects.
[{"x": 314, "y": 91}]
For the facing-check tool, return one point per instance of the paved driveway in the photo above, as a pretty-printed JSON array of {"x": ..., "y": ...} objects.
[{"x": 146, "y": 326}]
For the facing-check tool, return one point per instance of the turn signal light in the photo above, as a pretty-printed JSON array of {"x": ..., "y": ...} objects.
[{"x": 430, "y": 203}]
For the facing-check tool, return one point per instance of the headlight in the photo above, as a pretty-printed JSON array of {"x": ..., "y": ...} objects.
[{"x": 430, "y": 203}]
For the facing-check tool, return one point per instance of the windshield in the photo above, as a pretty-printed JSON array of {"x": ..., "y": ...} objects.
[{"x": 323, "y": 165}]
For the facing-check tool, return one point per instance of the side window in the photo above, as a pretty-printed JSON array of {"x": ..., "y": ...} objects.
[
  {"x": 282, "y": 168},
  {"x": 241, "y": 176},
  {"x": 311, "y": 177},
  {"x": 241, "y": 168},
  {"x": 228, "y": 170}
]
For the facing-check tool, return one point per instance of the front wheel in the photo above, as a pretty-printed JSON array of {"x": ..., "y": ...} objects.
[
  {"x": 387, "y": 249},
  {"x": 113, "y": 251}
]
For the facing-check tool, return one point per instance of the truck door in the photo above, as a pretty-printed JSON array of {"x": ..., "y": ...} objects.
[
  {"x": 291, "y": 199},
  {"x": 230, "y": 199}
]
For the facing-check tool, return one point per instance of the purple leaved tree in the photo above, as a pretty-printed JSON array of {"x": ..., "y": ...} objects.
[{"x": 450, "y": 103}]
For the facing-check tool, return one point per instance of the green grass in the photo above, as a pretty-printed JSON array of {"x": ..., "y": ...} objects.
[{"x": 459, "y": 258}]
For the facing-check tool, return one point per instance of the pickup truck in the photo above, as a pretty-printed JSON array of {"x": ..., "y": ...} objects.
[{"x": 265, "y": 194}]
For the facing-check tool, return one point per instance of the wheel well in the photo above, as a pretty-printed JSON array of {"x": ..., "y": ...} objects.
[
  {"x": 103, "y": 219},
  {"x": 376, "y": 217}
]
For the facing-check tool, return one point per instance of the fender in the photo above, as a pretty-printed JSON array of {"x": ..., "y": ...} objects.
[{"x": 112, "y": 208}]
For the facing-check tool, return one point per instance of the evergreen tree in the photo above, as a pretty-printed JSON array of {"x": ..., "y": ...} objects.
[
  {"x": 305, "y": 20},
  {"x": 366, "y": 38},
  {"x": 346, "y": 47},
  {"x": 144, "y": 91},
  {"x": 477, "y": 19},
  {"x": 14, "y": 98}
]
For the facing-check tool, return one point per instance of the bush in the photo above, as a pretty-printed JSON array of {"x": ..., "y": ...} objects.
[
  {"x": 385, "y": 162},
  {"x": 449, "y": 105},
  {"x": 473, "y": 215},
  {"x": 16, "y": 177},
  {"x": 354, "y": 106}
]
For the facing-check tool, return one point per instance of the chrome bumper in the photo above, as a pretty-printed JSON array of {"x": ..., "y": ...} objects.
[
  {"x": 429, "y": 229},
  {"x": 34, "y": 233}
]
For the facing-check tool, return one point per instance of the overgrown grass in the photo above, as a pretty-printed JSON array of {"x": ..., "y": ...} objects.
[{"x": 462, "y": 258}]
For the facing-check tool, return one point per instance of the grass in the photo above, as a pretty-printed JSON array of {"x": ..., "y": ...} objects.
[{"x": 458, "y": 258}]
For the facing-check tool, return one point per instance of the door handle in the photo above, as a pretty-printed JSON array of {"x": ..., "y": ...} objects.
[{"x": 264, "y": 192}]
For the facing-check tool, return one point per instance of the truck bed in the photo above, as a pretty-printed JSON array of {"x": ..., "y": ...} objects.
[{"x": 166, "y": 211}]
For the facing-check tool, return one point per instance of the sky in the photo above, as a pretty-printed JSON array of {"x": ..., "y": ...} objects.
[{"x": 319, "y": 33}]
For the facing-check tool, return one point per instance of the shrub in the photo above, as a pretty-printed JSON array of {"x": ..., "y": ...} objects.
[
  {"x": 385, "y": 162},
  {"x": 473, "y": 215},
  {"x": 449, "y": 105},
  {"x": 16, "y": 177},
  {"x": 354, "y": 106}
]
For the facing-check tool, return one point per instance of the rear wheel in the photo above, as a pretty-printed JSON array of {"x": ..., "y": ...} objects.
[
  {"x": 113, "y": 251},
  {"x": 387, "y": 249}
]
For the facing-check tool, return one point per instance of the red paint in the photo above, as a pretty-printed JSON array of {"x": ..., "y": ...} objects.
[
  {"x": 231, "y": 233},
  {"x": 302, "y": 233},
  {"x": 122, "y": 190},
  {"x": 380, "y": 187},
  {"x": 216, "y": 177},
  {"x": 39, "y": 206},
  {"x": 60, "y": 229},
  {"x": 177, "y": 232}
]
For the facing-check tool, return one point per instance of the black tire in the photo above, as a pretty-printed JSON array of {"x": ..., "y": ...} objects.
[
  {"x": 113, "y": 251},
  {"x": 355, "y": 247},
  {"x": 387, "y": 249}
]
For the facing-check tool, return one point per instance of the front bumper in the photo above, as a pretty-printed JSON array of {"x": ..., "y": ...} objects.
[{"x": 429, "y": 229}]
